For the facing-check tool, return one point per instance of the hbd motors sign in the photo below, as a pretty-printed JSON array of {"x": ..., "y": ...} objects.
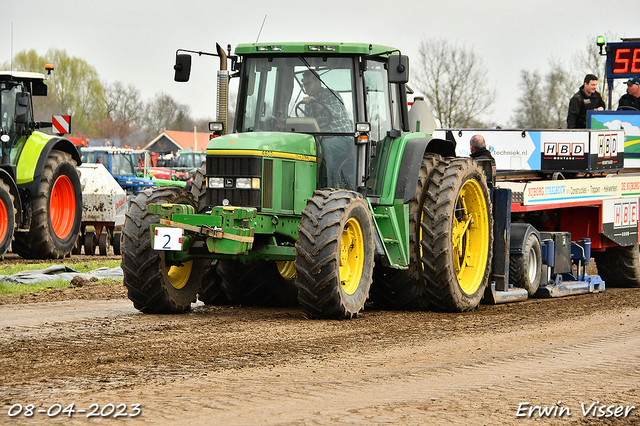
[{"x": 61, "y": 124}]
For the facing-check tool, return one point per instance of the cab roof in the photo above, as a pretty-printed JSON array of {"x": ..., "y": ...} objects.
[
  {"x": 20, "y": 75},
  {"x": 299, "y": 47}
]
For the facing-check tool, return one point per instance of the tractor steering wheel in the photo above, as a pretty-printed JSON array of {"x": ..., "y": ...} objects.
[{"x": 324, "y": 117}]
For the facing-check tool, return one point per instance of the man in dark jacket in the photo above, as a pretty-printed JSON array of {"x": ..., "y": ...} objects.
[
  {"x": 587, "y": 98},
  {"x": 632, "y": 98},
  {"x": 479, "y": 150}
]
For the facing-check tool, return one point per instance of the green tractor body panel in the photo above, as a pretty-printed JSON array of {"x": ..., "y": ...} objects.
[
  {"x": 393, "y": 149},
  {"x": 26, "y": 154},
  {"x": 269, "y": 144}
]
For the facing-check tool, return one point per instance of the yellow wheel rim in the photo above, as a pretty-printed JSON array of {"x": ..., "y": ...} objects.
[
  {"x": 287, "y": 269},
  {"x": 470, "y": 236},
  {"x": 351, "y": 256},
  {"x": 179, "y": 275}
]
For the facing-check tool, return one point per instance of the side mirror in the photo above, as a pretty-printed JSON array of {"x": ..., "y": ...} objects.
[
  {"x": 182, "y": 68},
  {"x": 22, "y": 108},
  {"x": 398, "y": 69}
]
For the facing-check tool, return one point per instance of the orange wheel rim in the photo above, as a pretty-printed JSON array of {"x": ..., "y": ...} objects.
[
  {"x": 4, "y": 221},
  {"x": 62, "y": 207}
]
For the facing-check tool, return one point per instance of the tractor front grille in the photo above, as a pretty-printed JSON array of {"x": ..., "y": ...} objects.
[{"x": 229, "y": 168}]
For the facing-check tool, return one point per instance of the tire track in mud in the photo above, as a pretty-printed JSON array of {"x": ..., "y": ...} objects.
[{"x": 461, "y": 380}]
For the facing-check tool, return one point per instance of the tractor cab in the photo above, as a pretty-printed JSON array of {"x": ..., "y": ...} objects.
[
  {"x": 16, "y": 113},
  {"x": 324, "y": 92}
]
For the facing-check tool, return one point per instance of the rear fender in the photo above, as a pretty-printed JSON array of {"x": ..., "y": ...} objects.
[
  {"x": 415, "y": 149},
  {"x": 35, "y": 153}
]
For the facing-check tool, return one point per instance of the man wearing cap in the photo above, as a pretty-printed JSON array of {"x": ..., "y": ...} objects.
[
  {"x": 587, "y": 98},
  {"x": 632, "y": 98}
]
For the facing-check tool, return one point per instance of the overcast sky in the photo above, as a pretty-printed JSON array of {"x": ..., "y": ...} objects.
[{"x": 135, "y": 41}]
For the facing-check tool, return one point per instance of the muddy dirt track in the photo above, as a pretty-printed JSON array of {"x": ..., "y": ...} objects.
[{"x": 250, "y": 366}]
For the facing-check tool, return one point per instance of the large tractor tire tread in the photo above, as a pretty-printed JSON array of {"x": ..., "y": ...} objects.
[
  {"x": 211, "y": 292},
  {"x": 619, "y": 267},
  {"x": 7, "y": 219},
  {"x": 145, "y": 272},
  {"x": 199, "y": 187},
  {"x": 41, "y": 241},
  {"x": 404, "y": 289},
  {"x": 439, "y": 211},
  {"x": 329, "y": 215},
  {"x": 256, "y": 284}
]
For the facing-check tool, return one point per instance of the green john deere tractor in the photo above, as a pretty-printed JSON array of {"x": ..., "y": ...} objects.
[
  {"x": 319, "y": 180},
  {"x": 40, "y": 192}
]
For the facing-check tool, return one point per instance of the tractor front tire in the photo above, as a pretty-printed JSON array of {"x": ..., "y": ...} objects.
[
  {"x": 154, "y": 285},
  {"x": 7, "y": 219},
  {"x": 457, "y": 235},
  {"x": 56, "y": 211},
  {"x": 334, "y": 254}
]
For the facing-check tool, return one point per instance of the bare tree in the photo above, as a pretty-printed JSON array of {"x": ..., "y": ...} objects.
[
  {"x": 543, "y": 103},
  {"x": 124, "y": 111},
  {"x": 453, "y": 79},
  {"x": 164, "y": 113}
]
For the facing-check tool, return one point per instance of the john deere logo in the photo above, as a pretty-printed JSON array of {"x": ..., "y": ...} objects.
[{"x": 228, "y": 182}]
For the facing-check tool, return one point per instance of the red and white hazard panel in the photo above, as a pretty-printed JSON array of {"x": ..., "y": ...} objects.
[{"x": 61, "y": 123}]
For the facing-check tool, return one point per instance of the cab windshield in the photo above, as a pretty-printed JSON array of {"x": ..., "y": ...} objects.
[{"x": 303, "y": 94}]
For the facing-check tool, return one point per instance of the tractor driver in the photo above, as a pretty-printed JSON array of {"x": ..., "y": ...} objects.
[
  {"x": 338, "y": 152},
  {"x": 325, "y": 105}
]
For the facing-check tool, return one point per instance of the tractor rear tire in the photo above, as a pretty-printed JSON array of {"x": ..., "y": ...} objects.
[
  {"x": 620, "y": 267},
  {"x": 56, "y": 211},
  {"x": 399, "y": 289},
  {"x": 256, "y": 284},
  {"x": 153, "y": 285},
  {"x": 334, "y": 254},
  {"x": 211, "y": 292},
  {"x": 525, "y": 268},
  {"x": 7, "y": 219},
  {"x": 457, "y": 235}
]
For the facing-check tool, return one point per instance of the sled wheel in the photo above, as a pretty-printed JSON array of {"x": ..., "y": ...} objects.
[
  {"x": 405, "y": 288},
  {"x": 525, "y": 268},
  {"x": 89, "y": 243},
  {"x": 7, "y": 219},
  {"x": 56, "y": 211},
  {"x": 117, "y": 239},
  {"x": 154, "y": 284},
  {"x": 103, "y": 244},
  {"x": 334, "y": 254},
  {"x": 457, "y": 235}
]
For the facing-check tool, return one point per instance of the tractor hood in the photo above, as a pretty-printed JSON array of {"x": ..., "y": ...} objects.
[{"x": 265, "y": 144}]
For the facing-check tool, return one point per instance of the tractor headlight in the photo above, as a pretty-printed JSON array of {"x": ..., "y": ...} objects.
[
  {"x": 243, "y": 183},
  {"x": 216, "y": 182}
]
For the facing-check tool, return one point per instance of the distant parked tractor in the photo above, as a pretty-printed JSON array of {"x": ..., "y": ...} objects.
[{"x": 40, "y": 192}]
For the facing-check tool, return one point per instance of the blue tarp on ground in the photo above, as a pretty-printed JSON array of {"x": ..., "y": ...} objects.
[{"x": 60, "y": 272}]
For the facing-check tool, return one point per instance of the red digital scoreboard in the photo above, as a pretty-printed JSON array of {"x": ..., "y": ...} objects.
[{"x": 623, "y": 59}]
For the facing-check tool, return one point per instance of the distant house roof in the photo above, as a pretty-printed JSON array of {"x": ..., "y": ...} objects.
[{"x": 173, "y": 141}]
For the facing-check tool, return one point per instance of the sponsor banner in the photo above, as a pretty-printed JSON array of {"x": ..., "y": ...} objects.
[
  {"x": 562, "y": 191},
  {"x": 620, "y": 220}
]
